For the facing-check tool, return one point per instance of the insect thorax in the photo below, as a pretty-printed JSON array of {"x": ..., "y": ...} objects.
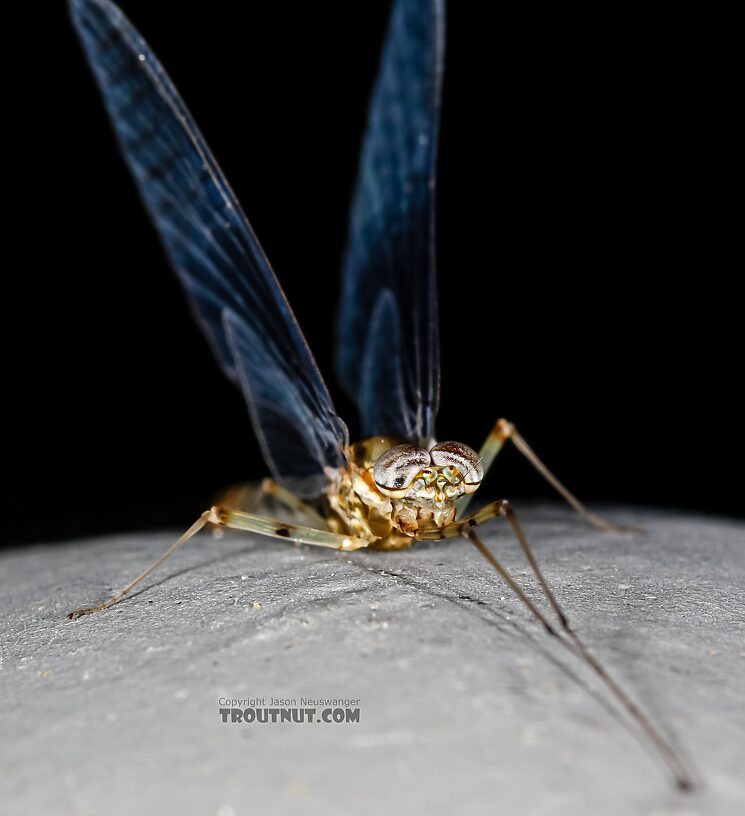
[{"x": 362, "y": 509}]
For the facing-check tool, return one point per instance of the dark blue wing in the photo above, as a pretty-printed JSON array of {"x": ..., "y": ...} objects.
[
  {"x": 389, "y": 265},
  {"x": 229, "y": 283}
]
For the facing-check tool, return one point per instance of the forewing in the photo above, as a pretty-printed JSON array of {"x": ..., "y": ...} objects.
[
  {"x": 391, "y": 232},
  {"x": 229, "y": 283},
  {"x": 381, "y": 395}
]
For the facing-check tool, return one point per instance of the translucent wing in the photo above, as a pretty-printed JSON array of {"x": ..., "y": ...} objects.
[
  {"x": 388, "y": 310},
  {"x": 229, "y": 283}
]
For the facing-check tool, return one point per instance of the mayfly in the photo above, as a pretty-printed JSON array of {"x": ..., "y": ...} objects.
[{"x": 398, "y": 485}]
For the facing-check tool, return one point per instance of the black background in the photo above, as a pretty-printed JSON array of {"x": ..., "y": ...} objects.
[{"x": 585, "y": 233}]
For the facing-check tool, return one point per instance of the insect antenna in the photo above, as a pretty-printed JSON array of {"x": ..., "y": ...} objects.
[{"x": 572, "y": 642}]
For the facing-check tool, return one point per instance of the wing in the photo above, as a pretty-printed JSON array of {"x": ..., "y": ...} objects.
[
  {"x": 230, "y": 286},
  {"x": 389, "y": 265}
]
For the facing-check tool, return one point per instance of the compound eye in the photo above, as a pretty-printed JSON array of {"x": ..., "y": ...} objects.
[
  {"x": 458, "y": 455},
  {"x": 396, "y": 468}
]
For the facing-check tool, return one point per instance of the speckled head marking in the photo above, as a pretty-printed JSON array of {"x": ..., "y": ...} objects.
[
  {"x": 423, "y": 486},
  {"x": 396, "y": 490},
  {"x": 443, "y": 474}
]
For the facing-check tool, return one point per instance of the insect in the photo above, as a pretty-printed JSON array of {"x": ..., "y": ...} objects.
[{"x": 398, "y": 485}]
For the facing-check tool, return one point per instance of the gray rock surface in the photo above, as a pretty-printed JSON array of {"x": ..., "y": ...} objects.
[{"x": 465, "y": 704}]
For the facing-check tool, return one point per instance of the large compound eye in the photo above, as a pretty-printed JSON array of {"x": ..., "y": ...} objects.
[
  {"x": 456, "y": 454},
  {"x": 396, "y": 468}
]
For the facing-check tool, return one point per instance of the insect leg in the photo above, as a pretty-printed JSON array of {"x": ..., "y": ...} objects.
[
  {"x": 248, "y": 498},
  {"x": 464, "y": 527},
  {"x": 570, "y": 639},
  {"x": 192, "y": 531},
  {"x": 292, "y": 502},
  {"x": 225, "y": 517},
  {"x": 504, "y": 430},
  {"x": 263, "y": 525},
  {"x": 455, "y": 530}
]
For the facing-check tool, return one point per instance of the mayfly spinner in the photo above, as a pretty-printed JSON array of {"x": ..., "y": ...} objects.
[{"x": 398, "y": 485}]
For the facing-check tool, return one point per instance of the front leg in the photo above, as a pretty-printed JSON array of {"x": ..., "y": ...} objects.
[
  {"x": 464, "y": 527},
  {"x": 565, "y": 633},
  {"x": 461, "y": 526},
  {"x": 504, "y": 430}
]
